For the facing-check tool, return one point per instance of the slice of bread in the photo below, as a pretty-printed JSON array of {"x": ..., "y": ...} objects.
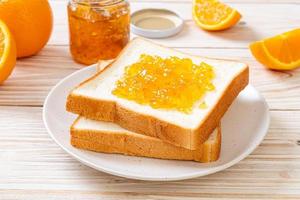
[
  {"x": 108, "y": 137},
  {"x": 93, "y": 98}
]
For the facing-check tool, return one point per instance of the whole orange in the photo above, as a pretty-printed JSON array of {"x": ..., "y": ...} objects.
[{"x": 30, "y": 22}]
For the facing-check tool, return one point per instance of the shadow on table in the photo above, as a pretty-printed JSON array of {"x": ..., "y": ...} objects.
[{"x": 240, "y": 32}]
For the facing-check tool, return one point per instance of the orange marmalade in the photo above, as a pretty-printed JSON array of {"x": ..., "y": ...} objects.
[
  {"x": 167, "y": 83},
  {"x": 99, "y": 29}
]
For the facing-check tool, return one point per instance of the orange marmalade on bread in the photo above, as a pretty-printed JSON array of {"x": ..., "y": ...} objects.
[{"x": 166, "y": 83}]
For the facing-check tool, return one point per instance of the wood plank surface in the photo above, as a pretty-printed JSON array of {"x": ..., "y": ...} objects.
[
  {"x": 31, "y": 161},
  {"x": 33, "y": 167}
]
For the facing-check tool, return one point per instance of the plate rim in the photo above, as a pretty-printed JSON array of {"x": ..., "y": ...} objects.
[{"x": 213, "y": 170}]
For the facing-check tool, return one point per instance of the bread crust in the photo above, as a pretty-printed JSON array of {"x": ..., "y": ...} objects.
[
  {"x": 140, "y": 145},
  {"x": 148, "y": 125}
]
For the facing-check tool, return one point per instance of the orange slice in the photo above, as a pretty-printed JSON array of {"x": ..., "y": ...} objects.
[
  {"x": 7, "y": 52},
  {"x": 213, "y": 15},
  {"x": 281, "y": 52}
]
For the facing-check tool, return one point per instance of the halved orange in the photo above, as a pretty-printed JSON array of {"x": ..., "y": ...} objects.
[
  {"x": 213, "y": 15},
  {"x": 8, "y": 52},
  {"x": 281, "y": 52}
]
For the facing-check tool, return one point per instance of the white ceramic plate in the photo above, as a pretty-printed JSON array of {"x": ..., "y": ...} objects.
[{"x": 243, "y": 128}]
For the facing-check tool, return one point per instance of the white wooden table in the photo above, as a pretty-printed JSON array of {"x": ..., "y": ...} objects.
[{"x": 33, "y": 167}]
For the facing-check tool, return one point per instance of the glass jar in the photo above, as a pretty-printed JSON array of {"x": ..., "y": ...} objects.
[{"x": 99, "y": 29}]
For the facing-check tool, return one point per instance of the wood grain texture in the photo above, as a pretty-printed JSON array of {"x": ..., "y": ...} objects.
[
  {"x": 33, "y": 167},
  {"x": 32, "y": 162}
]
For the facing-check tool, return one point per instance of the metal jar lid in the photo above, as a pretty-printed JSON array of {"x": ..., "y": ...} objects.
[{"x": 155, "y": 23}]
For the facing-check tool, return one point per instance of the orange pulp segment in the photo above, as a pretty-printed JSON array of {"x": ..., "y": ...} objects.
[
  {"x": 281, "y": 52},
  {"x": 7, "y": 52},
  {"x": 213, "y": 15}
]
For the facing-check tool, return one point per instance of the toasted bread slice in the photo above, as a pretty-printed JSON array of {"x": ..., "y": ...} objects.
[
  {"x": 93, "y": 99},
  {"x": 109, "y": 137}
]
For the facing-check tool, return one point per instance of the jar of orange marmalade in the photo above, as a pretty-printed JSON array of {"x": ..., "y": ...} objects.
[{"x": 99, "y": 29}]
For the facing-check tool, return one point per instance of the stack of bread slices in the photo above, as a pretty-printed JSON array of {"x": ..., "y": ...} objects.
[{"x": 109, "y": 124}]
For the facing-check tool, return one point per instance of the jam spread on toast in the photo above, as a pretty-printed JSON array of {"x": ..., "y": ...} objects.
[{"x": 166, "y": 83}]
